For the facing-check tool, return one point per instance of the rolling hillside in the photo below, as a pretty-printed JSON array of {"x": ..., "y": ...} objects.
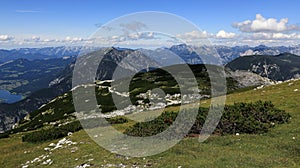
[
  {"x": 277, "y": 148},
  {"x": 61, "y": 108},
  {"x": 10, "y": 113}
]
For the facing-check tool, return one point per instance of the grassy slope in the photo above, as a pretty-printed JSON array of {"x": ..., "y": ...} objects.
[{"x": 274, "y": 149}]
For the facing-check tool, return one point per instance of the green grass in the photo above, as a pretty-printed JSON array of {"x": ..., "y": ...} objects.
[{"x": 277, "y": 148}]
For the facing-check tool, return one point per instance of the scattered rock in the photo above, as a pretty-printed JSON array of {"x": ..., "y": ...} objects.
[
  {"x": 83, "y": 165},
  {"x": 47, "y": 149},
  {"x": 63, "y": 143},
  {"x": 74, "y": 149},
  {"x": 47, "y": 162},
  {"x": 52, "y": 144}
]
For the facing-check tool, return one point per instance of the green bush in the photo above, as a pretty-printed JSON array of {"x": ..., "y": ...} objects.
[
  {"x": 4, "y": 135},
  {"x": 152, "y": 127},
  {"x": 52, "y": 133},
  {"x": 250, "y": 118},
  {"x": 96, "y": 122},
  {"x": 62, "y": 131},
  {"x": 117, "y": 120}
]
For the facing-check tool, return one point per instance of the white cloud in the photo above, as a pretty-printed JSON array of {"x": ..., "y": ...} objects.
[
  {"x": 35, "y": 38},
  {"x": 225, "y": 35},
  {"x": 143, "y": 35},
  {"x": 262, "y": 24},
  {"x": 38, "y": 39},
  {"x": 194, "y": 35},
  {"x": 5, "y": 38},
  {"x": 268, "y": 38},
  {"x": 274, "y": 36},
  {"x": 73, "y": 39},
  {"x": 285, "y": 36}
]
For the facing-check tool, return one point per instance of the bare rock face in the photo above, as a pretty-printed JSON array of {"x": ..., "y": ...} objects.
[{"x": 246, "y": 78}]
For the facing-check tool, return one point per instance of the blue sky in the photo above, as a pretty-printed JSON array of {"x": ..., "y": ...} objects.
[{"x": 78, "y": 19}]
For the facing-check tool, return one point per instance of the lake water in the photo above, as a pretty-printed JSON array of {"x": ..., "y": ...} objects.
[{"x": 7, "y": 97}]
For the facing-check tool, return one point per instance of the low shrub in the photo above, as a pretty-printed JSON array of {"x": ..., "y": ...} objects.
[
  {"x": 63, "y": 130},
  {"x": 117, "y": 120},
  {"x": 250, "y": 118},
  {"x": 52, "y": 133},
  {"x": 152, "y": 127},
  {"x": 96, "y": 122},
  {"x": 4, "y": 135}
]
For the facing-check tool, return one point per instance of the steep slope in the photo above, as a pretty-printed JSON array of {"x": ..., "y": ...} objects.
[{"x": 280, "y": 68}]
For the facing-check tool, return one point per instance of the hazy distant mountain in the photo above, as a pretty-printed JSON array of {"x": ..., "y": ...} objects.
[
  {"x": 280, "y": 67},
  {"x": 228, "y": 53},
  {"x": 185, "y": 52},
  {"x": 26, "y": 76},
  {"x": 43, "y": 53}
]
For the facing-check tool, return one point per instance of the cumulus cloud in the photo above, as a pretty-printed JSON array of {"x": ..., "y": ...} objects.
[
  {"x": 35, "y": 38},
  {"x": 194, "y": 35},
  {"x": 5, "y": 38},
  {"x": 38, "y": 39},
  {"x": 73, "y": 39},
  {"x": 262, "y": 24},
  {"x": 275, "y": 36},
  {"x": 130, "y": 37},
  {"x": 143, "y": 35},
  {"x": 225, "y": 35}
]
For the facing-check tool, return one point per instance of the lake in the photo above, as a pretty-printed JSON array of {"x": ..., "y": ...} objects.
[{"x": 7, "y": 97}]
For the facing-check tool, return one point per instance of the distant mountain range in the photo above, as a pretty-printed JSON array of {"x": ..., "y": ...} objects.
[
  {"x": 185, "y": 52},
  {"x": 228, "y": 54},
  {"x": 42, "y": 53}
]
